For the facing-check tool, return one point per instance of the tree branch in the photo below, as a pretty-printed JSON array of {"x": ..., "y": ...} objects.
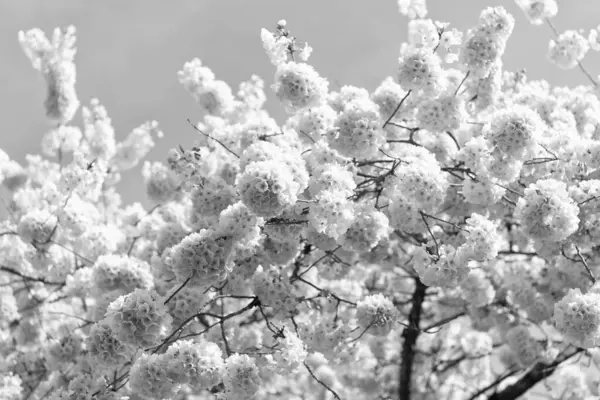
[
  {"x": 29, "y": 278},
  {"x": 538, "y": 373},
  {"x": 410, "y": 335}
]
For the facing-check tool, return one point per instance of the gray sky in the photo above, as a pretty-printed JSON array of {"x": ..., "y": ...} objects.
[{"x": 129, "y": 52}]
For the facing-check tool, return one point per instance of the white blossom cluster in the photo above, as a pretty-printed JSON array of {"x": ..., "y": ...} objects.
[{"x": 427, "y": 239}]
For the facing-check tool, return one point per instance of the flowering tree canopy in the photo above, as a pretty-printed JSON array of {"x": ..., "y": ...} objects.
[{"x": 437, "y": 238}]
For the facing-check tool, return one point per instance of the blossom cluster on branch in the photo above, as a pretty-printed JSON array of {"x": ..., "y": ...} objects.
[{"x": 436, "y": 238}]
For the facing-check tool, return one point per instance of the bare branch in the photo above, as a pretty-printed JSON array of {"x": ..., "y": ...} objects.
[
  {"x": 536, "y": 374},
  {"x": 410, "y": 335},
  {"x": 397, "y": 108},
  {"x": 210, "y": 137},
  {"x": 330, "y": 390}
]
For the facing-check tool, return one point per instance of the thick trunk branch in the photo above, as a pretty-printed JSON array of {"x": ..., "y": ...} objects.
[
  {"x": 538, "y": 373},
  {"x": 410, "y": 335}
]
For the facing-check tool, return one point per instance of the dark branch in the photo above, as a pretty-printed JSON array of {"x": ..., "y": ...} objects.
[
  {"x": 410, "y": 335},
  {"x": 397, "y": 108},
  {"x": 29, "y": 278},
  {"x": 538, "y": 373}
]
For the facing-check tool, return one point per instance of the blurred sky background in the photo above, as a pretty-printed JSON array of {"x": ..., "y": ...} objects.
[{"x": 129, "y": 52}]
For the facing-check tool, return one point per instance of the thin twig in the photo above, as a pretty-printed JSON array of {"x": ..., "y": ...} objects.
[
  {"x": 210, "y": 137},
  {"x": 437, "y": 246},
  {"x": 397, "y": 108},
  {"x": 590, "y": 199},
  {"x": 585, "y": 264},
  {"x": 29, "y": 278},
  {"x": 445, "y": 222},
  {"x": 178, "y": 290},
  {"x": 325, "y": 292},
  {"x": 442, "y": 322},
  {"x": 453, "y": 139},
  {"x": 461, "y": 83},
  {"x": 330, "y": 390}
]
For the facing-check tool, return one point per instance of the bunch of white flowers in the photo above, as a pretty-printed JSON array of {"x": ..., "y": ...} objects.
[
  {"x": 149, "y": 376},
  {"x": 358, "y": 130},
  {"x": 451, "y": 212},
  {"x": 201, "y": 258},
  {"x": 291, "y": 355},
  {"x": 420, "y": 70},
  {"x": 482, "y": 238},
  {"x": 477, "y": 289},
  {"x": 368, "y": 229},
  {"x": 515, "y": 132},
  {"x": 376, "y": 315},
  {"x": 538, "y": 10},
  {"x": 299, "y": 86},
  {"x": 546, "y": 212},
  {"x": 447, "y": 269},
  {"x": 121, "y": 273},
  {"x": 55, "y": 60},
  {"x": 104, "y": 349},
  {"x": 577, "y": 317},
  {"x": 267, "y": 188},
  {"x": 333, "y": 177},
  {"x": 139, "y": 319},
  {"x": 241, "y": 378},
  {"x": 213, "y": 96},
  {"x": 568, "y": 49},
  {"x": 332, "y": 214},
  {"x": 275, "y": 291},
  {"x": 525, "y": 348},
  {"x": 199, "y": 365}
]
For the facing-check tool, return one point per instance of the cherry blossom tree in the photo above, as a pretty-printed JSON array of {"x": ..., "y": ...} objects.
[{"x": 436, "y": 238}]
